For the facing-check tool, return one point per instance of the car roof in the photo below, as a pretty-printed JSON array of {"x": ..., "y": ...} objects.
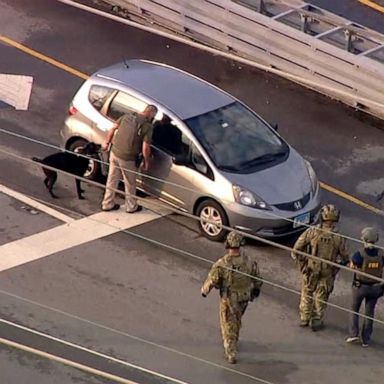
[{"x": 178, "y": 91}]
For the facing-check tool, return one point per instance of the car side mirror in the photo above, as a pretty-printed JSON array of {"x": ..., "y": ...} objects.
[
  {"x": 180, "y": 160},
  {"x": 275, "y": 126}
]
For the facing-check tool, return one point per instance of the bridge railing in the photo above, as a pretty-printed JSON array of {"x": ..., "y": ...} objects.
[{"x": 306, "y": 43}]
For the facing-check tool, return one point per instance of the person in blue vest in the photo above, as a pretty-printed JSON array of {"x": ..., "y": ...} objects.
[{"x": 370, "y": 260}]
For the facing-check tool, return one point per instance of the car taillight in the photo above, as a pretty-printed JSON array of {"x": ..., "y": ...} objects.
[{"x": 72, "y": 110}]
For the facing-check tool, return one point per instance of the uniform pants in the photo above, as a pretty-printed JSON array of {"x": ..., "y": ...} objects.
[
  {"x": 118, "y": 169},
  {"x": 315, "y": 292},
  {"x": 230, "y": 322},
  {"x": 369, "y": 293}
]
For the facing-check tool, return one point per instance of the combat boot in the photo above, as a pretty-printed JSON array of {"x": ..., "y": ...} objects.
[
  {"x": 231, "y": 359},
  {"x": 230, "y": 355},
  {"x": 304, "y": 323},
  {"x": 317, "y": 325}
]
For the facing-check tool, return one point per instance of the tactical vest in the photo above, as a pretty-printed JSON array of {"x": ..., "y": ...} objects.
[
  {"x": 238, "y": 284},
  {"x": 127, "y": 141},
  {"x": 325, "y": 245},
  {"x": 373, "y": 265}
]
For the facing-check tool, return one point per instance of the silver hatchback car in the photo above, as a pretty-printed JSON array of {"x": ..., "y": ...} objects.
[{"x": 212, "y": 156}]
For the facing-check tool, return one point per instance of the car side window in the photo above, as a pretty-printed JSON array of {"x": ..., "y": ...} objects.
[
  {"x": 98, "y": 95},
  {"x": 169, "y": 138},
  {"x": 123, "y": 103}
]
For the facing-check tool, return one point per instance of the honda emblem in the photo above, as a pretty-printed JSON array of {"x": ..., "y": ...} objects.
[{"x": 297, "y": 205}]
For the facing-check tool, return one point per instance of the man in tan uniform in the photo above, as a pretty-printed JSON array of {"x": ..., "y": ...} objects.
[
  {"x": 131, "y": 135},
  {"x": 234, "y": 275},
  {"x": 318, "y": 277}
]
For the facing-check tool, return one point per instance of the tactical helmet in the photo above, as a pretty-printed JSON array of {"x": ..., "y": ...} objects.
[
  {"x": 370, "y": 235},
  {"x": 234, "y": 240},
  {"x": 329, "y": 213}
]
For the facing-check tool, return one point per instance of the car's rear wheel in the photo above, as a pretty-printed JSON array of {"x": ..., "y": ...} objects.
[
  {"x": 212, "y": 218},
  {"x": 94, "y": 169}
]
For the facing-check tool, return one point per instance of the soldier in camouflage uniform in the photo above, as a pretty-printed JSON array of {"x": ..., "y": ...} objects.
[
  {"x": 318, "y": 277},
  {"x": 236, "y": 290}
]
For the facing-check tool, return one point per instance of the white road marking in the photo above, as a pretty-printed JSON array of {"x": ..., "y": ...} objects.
[
  {"x": 73, "y": 364},
  {"x": 16, "y": 90},
  {"x": 70, "y": 235},
  {"x": 95, "y": 353},
  {"x": 33, "y": 203}
]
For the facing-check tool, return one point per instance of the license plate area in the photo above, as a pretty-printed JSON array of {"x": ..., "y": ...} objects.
[{"x": 301, "y": 219}]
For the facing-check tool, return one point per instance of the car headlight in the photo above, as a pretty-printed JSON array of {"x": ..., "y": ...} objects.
[
  {"x": 312, "y": 176},
  {"x": 245, "y": 197}
]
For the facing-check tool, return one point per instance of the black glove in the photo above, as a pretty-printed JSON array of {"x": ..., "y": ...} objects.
[
  {"x": 255, "y": 293},
  {"x": 138, "y": 160}
]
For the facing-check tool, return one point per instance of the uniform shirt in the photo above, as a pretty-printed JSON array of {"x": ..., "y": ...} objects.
[
  {"x": 309, "y": 242},
  {"x": 131, "y": 132},
  {"x": 357, "y": 259},
  {"x": 223, "y": 273}
]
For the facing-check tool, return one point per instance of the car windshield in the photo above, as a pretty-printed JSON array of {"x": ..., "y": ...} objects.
[{"x": 236, "y": 139}]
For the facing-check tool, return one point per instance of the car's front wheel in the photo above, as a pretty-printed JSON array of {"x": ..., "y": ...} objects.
[
  {"x": 212, "y": 217},
  {"x": 94, "y": 169}
]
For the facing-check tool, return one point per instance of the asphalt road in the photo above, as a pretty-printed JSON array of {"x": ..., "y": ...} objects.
[
  {"x": 355, "y": 11},
  {"x": 137, "y": 301},
  {"x": 16, "y": 366}
]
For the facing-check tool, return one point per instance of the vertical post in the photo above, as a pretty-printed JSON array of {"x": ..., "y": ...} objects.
[
  {"x": 348, "y": 40},
  {"x": 262, "y": 8},
  {"x": 227, "y": 18},
  {"x": 138, "y": 5},
  {"x": 304, "y": 25}
]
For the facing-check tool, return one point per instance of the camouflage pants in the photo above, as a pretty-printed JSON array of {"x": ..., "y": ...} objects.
[
  {"x": 230, "y": 323},
  {"x": 315, "y": 292}
]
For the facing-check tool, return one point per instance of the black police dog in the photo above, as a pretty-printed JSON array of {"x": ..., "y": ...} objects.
[{"x": 68, "y": 162}]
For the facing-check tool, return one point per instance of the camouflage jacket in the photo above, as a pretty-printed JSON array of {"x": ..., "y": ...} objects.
[
  {"x": 234, "y": 276},
  {"x": 324, "y": 244}
]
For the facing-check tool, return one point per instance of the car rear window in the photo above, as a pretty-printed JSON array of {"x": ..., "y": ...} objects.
[
  {"x": 98, "y": 95},
  {"x": 123, "y": 103}
]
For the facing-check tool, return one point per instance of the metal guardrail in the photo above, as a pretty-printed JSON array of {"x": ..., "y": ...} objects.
[{"x": 329, "y": 53}]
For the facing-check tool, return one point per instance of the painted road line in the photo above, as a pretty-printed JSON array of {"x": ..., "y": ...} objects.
[
  {"x": 70, "y": 235},
  {"x": 351, "y": 198},
  {"x": 92, "y": 352},
  {"x": 73, "y": 364},
  {"x": 34, "y": 204},
  {"x": 42, "y": 57},
  {"x": 15, "y": 90},
  {"x": 372, "y": 4},
  {"x": 84, "y": 76}
]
